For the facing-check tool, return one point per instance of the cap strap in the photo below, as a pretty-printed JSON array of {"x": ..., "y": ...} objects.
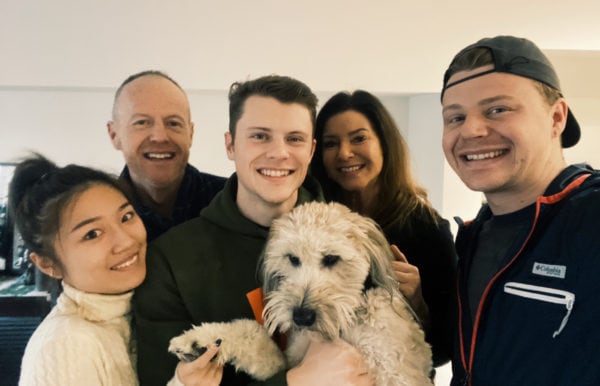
[{"x": 468, "y": 78}]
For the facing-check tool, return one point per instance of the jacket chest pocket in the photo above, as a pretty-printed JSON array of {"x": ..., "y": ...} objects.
[{"x": 544, "y": 294}]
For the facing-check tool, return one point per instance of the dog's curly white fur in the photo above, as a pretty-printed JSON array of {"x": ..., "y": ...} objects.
[{"x": 327, "y": 274}]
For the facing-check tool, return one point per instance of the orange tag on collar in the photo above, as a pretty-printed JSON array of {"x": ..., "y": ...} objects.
[{"x": 255, "y": 298}]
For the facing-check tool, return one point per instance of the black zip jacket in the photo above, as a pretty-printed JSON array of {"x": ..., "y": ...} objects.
[{"x": 537, "y": 321}]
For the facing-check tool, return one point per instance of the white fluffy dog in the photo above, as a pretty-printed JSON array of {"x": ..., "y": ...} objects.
[{"x": 326, "y": 274}]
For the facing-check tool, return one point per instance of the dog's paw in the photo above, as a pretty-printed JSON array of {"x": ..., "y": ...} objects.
[
  {"x": 243, "y": 343},
  {"x": 188, "y": 351},
  {"x": 191, "y": 344}
]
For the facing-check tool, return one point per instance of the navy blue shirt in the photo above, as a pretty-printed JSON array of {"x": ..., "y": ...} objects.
[{"x": 196, "y": 191}]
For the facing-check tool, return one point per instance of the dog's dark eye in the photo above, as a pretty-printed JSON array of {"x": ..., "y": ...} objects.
[
  {"x": 294, "y": 260},
  {"x": 330, "y": 260}
]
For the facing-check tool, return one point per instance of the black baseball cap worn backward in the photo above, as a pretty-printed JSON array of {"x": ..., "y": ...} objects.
[{"x": 519, "y": 56}]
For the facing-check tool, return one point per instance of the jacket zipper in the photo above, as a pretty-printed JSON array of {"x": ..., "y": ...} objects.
[
  {"x": 544, "y": 294},
  {"x": 475, "y": 331}
]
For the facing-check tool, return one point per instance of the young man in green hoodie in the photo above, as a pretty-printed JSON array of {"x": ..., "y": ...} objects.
[{"x": 201, "y": 271}]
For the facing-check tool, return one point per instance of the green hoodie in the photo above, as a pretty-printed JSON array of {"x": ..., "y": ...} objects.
[{"x": 200, "y": 271}]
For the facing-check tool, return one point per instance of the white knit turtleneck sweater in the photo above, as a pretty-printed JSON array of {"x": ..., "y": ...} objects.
[{"x": 85, "y": 340}]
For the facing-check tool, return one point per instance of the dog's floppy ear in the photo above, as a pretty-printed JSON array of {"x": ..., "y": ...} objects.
[{"x": 379, "y": 252}]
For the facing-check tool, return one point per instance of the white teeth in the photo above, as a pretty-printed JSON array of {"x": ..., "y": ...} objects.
[
  {"x": 350, "y": 169},
  {"x": 274, "y": 173},
  {"x": 159, "y": 155},
  {"x": 477, "y": 157},
  {"x": 126, "y": 263}
]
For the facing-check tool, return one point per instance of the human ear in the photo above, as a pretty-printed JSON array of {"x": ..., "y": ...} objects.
[
  {"x": 559, "y": 117},
  {"x": 313, "y": 148},
  {"x": 229, "y": 146},
  {"x": 191, "y": 132},
  {"x": 112, "y": 134},
  {"x": 46, "y": 265}
]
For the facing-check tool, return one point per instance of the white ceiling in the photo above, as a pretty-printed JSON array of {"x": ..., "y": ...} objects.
[{"x": 384, "y": 46}]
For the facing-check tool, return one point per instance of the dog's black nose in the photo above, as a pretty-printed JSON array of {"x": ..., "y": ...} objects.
[{"x": 304, "y": 316}]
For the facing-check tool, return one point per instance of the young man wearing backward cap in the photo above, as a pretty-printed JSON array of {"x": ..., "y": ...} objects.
[{"x": 528, "y": 291}]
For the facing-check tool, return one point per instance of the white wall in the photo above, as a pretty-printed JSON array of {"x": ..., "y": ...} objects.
[
  {"x": 424, "y": 138},
  {"x": 396, "y": 46},
  {"x": 587, "y": 112}
]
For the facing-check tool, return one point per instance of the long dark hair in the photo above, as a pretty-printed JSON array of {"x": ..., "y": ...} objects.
[
  {"x": 399, "y": 194},
  {"x": 39, "y": 192}
]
